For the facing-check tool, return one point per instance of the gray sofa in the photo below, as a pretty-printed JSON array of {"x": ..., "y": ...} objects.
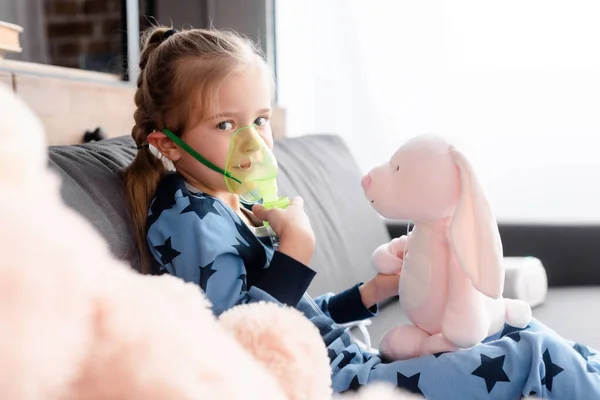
[{"x": 321, "y": 169}]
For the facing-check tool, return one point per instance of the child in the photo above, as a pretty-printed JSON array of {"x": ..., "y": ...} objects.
[{"x": 203, "y": 85}]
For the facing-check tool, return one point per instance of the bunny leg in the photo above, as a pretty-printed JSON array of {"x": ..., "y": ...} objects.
[
  {"x": 402, "y": 342},
  {"x": 436, "y": 344}
]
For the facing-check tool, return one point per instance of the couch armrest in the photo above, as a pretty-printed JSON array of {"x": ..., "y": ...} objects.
[{"x": 570, "y": 253}]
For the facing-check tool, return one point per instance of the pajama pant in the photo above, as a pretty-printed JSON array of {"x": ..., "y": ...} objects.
[{"x": 509, "y": 365}]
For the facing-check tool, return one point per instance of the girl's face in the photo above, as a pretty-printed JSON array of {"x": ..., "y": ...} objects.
[{"x": 243, "y": 99}]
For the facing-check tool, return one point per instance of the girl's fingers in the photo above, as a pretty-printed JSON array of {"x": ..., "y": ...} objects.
[{"x": 260, "y": 212}]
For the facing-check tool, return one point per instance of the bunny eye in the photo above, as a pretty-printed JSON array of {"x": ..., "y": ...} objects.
[{"x": 397, "y": 168}]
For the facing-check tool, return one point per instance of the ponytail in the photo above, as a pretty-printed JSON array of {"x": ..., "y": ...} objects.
[
  {"x": 143, "y": 175},
  {"x": 141, "y": 179}
]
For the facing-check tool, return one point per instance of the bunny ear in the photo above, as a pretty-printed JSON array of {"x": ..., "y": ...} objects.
[{"x": 474, "y": 234}]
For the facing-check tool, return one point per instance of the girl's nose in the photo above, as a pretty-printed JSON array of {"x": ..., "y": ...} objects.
[
  {"x": 252, "y": 141},
  {"x": 366, "y": 182}
]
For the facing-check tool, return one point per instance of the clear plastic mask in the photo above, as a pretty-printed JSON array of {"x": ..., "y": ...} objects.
[
  {"x": 251, "y": 168},
  {"x": 254, "y": 167}
]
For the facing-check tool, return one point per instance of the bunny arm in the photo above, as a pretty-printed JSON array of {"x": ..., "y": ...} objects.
[{"x": 388, "y": 258}]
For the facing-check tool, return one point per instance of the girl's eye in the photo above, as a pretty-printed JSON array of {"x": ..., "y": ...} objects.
[
  {"x": 261, "y": 121},
  {"x": 225, "y": 126}
]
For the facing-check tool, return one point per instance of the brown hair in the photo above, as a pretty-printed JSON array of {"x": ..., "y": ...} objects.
[{"x": 174, "y": 68}]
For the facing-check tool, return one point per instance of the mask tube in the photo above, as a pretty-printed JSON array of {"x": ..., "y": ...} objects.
[{"x": 179, "y": 142}]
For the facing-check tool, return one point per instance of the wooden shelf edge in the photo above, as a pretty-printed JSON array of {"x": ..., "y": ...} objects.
[{"x": 53, "y": 71}]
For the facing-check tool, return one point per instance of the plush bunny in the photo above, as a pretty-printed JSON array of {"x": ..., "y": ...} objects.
[{"x": 452, "y": 276}]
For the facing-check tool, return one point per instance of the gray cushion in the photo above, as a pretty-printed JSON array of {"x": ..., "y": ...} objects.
[
  {"x": 573, "y": 313},
  {"x": 319, "y": 168},
  {"x": 90, "y": 186}
]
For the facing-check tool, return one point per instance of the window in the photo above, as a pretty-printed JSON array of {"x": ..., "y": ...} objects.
[{"x": 91, "y": 35}]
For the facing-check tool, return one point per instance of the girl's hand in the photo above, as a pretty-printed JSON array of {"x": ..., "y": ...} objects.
[
  {"x": 379, "y": 289},
  {"x": 291, "y": 225}
]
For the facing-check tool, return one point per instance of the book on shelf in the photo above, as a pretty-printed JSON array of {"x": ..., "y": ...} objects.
[{"x": 9, "y": 38}]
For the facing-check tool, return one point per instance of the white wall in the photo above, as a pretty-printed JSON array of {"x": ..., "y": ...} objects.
[{"x": 515, "y": 83}]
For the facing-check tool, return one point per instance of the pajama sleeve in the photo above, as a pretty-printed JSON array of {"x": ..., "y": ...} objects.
[{"x": 346, "y": 306}]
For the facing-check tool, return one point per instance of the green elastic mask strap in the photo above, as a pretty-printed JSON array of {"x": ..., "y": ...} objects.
[{"x": 196, "y": 155}]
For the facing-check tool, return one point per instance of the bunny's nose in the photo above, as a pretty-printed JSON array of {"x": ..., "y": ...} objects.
[{"x": 366, "y": 182}]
